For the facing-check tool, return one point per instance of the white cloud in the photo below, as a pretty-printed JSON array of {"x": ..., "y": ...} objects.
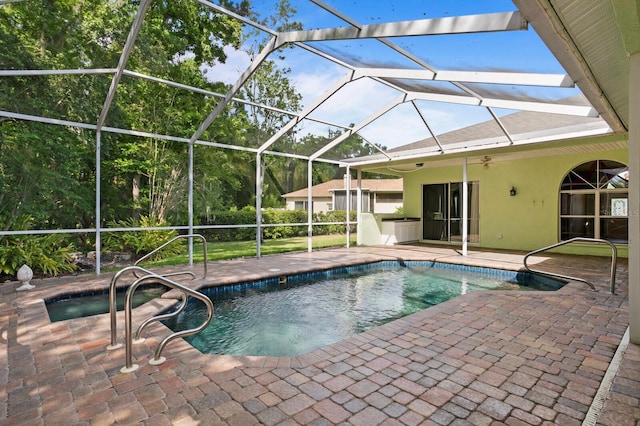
[
  {"x": 312, "y": 83},
  {"x": 354, "y": 102},
  {"x": 229, "y": 72},
  {"x": 350, "y": 105},
  {"x": 398, "y": 127},
  {"x": 361, "y": 98}
]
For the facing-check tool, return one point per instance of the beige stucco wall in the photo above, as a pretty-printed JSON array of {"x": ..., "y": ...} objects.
[
  {"x": 386, "y": 207},
  {"x": 528, "y": 221},
  {"x": 320, "y": 204}
]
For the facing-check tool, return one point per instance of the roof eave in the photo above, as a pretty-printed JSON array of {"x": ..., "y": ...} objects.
[{"x": 543, "y": 18}]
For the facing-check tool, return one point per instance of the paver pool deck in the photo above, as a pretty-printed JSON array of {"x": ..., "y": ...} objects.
[{"x": 485, "y": 358}]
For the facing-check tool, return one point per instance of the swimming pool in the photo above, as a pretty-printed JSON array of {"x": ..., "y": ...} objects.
[
  {"x": 312, "y": 310},
  {"x": 86, "y": 304}
]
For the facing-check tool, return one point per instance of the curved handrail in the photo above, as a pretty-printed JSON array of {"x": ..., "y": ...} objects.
[
  {"x": 129, "y": 366},
  {"x": 112, "y": 302},
  {"x": 135, "y": 268},
  {"x": 204, "y": 252},
  {"x": 614, "y": 261},
  {"x": 145, "y": 323}
]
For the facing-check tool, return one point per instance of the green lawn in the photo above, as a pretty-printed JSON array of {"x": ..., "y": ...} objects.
[{"x": 235, "y": 249}]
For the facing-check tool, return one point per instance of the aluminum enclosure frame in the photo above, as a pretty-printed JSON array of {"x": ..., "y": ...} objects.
[{"x": 507, "y": 21}]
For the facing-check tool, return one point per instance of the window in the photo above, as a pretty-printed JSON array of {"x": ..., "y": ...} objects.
[
  {"x": 442, "y": 212},
  {"x": 390, "y": 197},
  {"x": 301, "y": 205},
  {"x": 340, "y": 200},
  {"x": 593, "y": 202}
]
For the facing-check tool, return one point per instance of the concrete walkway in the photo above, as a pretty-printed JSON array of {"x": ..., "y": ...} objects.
[{"x": 515, "y": 358}]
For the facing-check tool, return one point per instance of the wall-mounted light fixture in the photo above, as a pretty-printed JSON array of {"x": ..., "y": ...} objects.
[
  {"x": 485, "y": 161},
  {"x": 512, "y": 191}
]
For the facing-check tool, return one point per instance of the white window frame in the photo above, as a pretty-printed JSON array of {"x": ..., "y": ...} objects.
[{"x": 596, "y": 216}]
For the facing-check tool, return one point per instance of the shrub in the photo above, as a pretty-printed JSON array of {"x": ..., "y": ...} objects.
[
  {"x": 231, "y": 217},
  {"x": 284, "y": 216},
  {"x": 46, "y": 254},
  {"x": 272, "y": 216},
  {"x": 333, "y": 216},
  {"x": 140, "y": 243}
]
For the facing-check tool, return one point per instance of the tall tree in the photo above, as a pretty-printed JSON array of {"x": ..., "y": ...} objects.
[
  {"x": 48, "y": 171},
  {"x": 177, "y": 39},
  {"x": 45, "y": 171},
  {"x": 270, "y": 85}
]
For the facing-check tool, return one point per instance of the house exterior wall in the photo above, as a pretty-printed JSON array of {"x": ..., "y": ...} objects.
[
  {"x": 383, "y": 203},
  {"x": 388, "y": 207},
  {"x": 320, "y": 204},
  {"x": 527, "y": 221}
]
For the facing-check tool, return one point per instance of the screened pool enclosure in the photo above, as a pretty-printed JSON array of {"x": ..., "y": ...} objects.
[{"x": 391, "y": 73}]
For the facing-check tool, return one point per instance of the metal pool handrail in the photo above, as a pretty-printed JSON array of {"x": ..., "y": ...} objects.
[
  {"x": 204, "y": 252},
  {"x": 614, "y": 261},
  {"x": 158, "y": 359},
  {"x": 112, "y": 302},
  {"x": 145, "y": 323}
]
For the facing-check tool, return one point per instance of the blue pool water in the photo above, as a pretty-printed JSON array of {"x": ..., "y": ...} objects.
[
  {"x": 86, "y": 304},
  {"x": 316, "y": 309}
]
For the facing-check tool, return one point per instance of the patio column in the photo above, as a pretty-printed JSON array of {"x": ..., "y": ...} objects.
[
  {"x": 359, "y": 209},
  {"x": 347, "y": 187},
  {"x": 634, "y": 199},
  {"x": 465, "y": 207},
  {"x": 258, "y": 202},
  {"x": 309, "y": 207}
]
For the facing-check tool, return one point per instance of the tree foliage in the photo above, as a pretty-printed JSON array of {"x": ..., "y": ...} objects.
[
  {"x": 49, "y": 254},
  {"x": 141, "y": 243},
  {"x": 48, "y": 172}
]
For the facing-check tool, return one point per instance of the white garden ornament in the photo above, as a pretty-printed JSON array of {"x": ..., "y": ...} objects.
[{"x": 24, "y": 275}]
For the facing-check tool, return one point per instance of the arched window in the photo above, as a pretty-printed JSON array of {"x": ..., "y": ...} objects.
[{"x": 593, "y": 201}]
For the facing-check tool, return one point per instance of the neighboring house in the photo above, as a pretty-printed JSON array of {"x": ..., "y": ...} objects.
[{"x": 378, "y": 196}]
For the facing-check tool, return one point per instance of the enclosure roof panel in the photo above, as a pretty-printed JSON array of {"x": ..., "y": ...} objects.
[{"x": 436, "y": 75}]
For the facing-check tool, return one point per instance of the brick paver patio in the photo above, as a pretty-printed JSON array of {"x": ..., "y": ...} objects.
[{"x": 515, "y": 358}]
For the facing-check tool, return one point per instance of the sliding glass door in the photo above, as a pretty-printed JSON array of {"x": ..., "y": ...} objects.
[
  {"x": 442, "y": 212},
  {"x": 435, "y": 212}
]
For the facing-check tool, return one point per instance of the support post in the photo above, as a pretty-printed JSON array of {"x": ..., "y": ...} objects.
[
  {"x": 347, "y": 186},
  {"x": 98, "y": 218},
  {"x": 190, "y": 202},
  {"x": 258, "y": 203},
  {"x": 359, "y": 209},
  {"x": 634, "y": 199},
  {"x": 309, "y": 207},
  {"x": 465, "y": 207}
]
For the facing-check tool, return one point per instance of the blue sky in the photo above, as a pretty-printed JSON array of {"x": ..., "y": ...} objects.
[{"x": 501, "y": 51}]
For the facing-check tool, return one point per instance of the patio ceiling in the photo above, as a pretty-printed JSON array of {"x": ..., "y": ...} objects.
[{"x": 422, "y": 68}]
